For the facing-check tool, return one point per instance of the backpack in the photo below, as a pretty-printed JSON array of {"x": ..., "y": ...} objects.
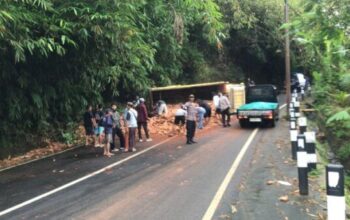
[
  {"x": 108, "y": 121},
  {"x": 128, "y": 116}
]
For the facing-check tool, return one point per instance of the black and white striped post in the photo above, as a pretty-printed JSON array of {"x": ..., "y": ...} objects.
[
  {"x": 310, "y": 145},
  {"x": 291, "y": 110},
  {"x": 335, "y": 192},
  {"x": 302, "y": 93},
  {"x": 302, "y": 122},
  {"x": 294, "y": 143},
  {"x": 297, "y": 109},
  {"x": 302, "y": 160},
  {"x": 293, "y": 123}
]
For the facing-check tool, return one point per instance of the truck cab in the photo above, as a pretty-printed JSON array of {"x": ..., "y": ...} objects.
[{"x": 261, "y": 106}]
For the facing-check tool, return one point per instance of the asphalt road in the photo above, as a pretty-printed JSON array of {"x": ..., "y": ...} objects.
[{"x": 170, "y": 181}]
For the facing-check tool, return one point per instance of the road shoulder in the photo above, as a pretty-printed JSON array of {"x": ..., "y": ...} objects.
[{"x": 269, "y": 188}]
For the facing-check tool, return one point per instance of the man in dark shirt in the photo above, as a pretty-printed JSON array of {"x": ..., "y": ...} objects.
[
  {"x": 107, "y": 123},
  {"x": 99, "y": 128},
  {"x": 142, "y": 117},
  {"x": 206, "y": 106},
  {"x": 89, "y": 124},
  {"x": 117, "y": 130}
]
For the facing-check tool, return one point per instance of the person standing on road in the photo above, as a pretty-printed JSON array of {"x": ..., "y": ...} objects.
[
  {"x": 216, "y": 99},
  {"x": 131, "y": 121},
  {"x": 117, "y": 130},
  {"x": 99, "y": 128},
  {"x": 142, "y": 118},
  {"x": 225, "y": 106},
  {"x": 191, "y": 119},
  {"x": 107, "y": 123},
  {"x": 89, "y": 125}
]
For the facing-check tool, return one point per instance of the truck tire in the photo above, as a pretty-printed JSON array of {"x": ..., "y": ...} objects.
[
  {"x": 243, "y": 123},
  {"x": 273, "y": 123}
]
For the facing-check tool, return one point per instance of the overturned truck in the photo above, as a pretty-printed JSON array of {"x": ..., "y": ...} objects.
[{"x": 204, "y": 91}]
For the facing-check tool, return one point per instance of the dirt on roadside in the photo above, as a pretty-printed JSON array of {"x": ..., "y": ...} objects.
[{"x": 158, "y": 125}]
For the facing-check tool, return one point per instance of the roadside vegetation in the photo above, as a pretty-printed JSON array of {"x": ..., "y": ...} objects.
[
  {"x": 322, "y": 35},
  {"x": 59, "y": 56}
]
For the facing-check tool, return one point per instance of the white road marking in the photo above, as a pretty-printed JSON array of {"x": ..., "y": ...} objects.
[
  {"x": 208, "y": 214},
  {"x": 219, "y": 194},
  {"x": 72, "y": 183},
  {"x": 282, "y": 106}
]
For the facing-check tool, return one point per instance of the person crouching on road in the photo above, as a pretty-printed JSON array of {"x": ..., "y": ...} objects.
[
  {"x": 107, "y": 122},
  {"x": 200, "y": 112},
  {"x": 142, "y": 118},
  {"x": 191, "y": 119},
  {"x": 117, "y": 130},
  {"x": 131, "y": 121},
  {"x": 225, "y": 106},
  {"x": 180, "y": 117},
  {"x": 162, "y": 109},
  {"x": 207, "y": 115}
]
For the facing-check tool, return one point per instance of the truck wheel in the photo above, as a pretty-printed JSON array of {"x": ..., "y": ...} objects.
[
  {"x": 273, "y": 123},
  {"x": 243, "y": 123}
]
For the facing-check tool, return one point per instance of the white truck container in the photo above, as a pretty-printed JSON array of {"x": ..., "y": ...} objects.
[{"x": 236, "y": 95}]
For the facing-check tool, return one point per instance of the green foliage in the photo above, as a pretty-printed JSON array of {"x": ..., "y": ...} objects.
[
  {"x": 340, "y": 116},
  {"x": 322, "y": 37},
  {"x": 255, "y": 41},
  {"x": 58, "y": 56}
]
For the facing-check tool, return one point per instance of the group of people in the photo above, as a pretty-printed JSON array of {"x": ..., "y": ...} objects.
[
  {"x": 197, "y": 114},
  {"x": 103, "y": 125}
]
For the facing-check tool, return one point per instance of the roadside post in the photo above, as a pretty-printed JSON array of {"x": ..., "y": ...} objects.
[
  {"x": 302, "y": 122},
  {"x": 294, "y": 143},
  {"x": 335, "y": 192},
  {"x": 297, "y": 109},
  {"x": 302, "y": 92},
  {"x": 310, "y": 140},
  {"x": 291, "y": 109},
  {"x": 293, "y": 123},
  {"x": 302, "y": 161}
]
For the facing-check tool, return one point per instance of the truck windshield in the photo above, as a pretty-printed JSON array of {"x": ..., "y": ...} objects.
[{"x": 261, "y": 94}]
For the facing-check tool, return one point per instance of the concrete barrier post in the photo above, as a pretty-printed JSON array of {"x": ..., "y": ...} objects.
[
  {"x": 310, "y": 139},
  {"x": 302, "y": 122},
  {"x": 335, "y": 192},
  {"x": 302, "y": 161},
  {"x": 297, "y": 109},
  {"x": 294, "y": 143}
]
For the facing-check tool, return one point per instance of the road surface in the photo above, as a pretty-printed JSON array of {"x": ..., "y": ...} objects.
[{"x": 168, "y": 180}]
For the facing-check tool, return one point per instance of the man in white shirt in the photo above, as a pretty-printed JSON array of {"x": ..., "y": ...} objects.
[
  {"x": 216, "y": 99},
  {"x": 180, "y": 118},
  {"x": 191, "y": 119},
  {"x": 130, "y": 116},
  {"x": 225, "y": 106}
]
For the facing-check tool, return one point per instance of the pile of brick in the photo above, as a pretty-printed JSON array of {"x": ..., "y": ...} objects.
[{"x": 164, "y": 125}]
